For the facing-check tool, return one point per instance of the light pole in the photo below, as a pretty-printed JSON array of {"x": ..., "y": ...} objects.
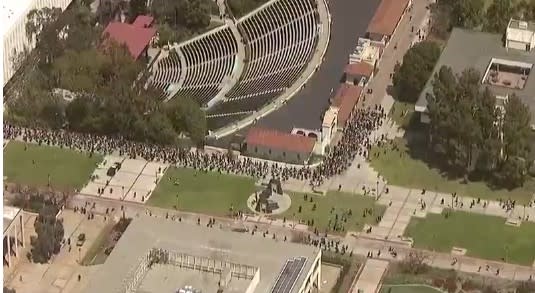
[{"x": 176, "y": 207}]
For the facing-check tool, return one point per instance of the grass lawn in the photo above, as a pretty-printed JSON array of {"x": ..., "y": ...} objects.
[
  {"x": 411, "y": 172},
  {"x": 341, "y": 202},
  {"x": 211, "y": 193},
  {"x": 408, "y": 289},
  {"x": 401, "y": 113},
  {"x": 68, "y": 169},
  {"x": 483, "y": 236}
]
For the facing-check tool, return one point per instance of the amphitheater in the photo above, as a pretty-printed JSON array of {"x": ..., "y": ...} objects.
[{"x": 244, "y": 69}]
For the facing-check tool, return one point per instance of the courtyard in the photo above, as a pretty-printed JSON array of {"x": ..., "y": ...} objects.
[
  {"x": 210, "y": 193},
  {"x": 332, "y": 205},
  {"x": 482, "y": 236},
  {"x": 36, "y": 165},
  {"x": 60, "y": 274},
  {"x": 405, "y": 167}
]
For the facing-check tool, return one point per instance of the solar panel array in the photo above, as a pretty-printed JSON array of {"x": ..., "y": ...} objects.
[{"x": 289, "y": 275}]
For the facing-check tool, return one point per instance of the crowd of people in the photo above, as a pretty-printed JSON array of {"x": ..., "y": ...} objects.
[{"x": 355, "y": 140}]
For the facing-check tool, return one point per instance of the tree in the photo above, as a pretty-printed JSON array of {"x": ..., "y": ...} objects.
[
  {"x": 49, "y": 235},
  {"x": 242, "y": 7},
  {"x": 467, "y": 13},
  {"x": 498, "y": 15},
  {"x": 43, "y": 27},
  {"x": 9, "y": 290},
  {"x": 166, "y": 35},
  {"x": 187, "y": 118},
  {"x": 137, "y": 7},
  {"x": 463, "y": 121},
  {"x": 191, "y": 15},
  {"x": 441, "y": 18},
  {"x": 414, "y": 263},
  {"x": 516, "y": 145},
  {"x": 489, "y": 143},
  {"x": 409, "y": 79}
]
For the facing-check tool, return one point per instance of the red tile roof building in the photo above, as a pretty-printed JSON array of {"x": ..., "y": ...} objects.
[
  {"x": 359, "y": 69},
  {"x": 346, "y": 99},
  {"x": 279, "y": 140},
  {"x": 387, "y": 17},
  {"x": 136, "y": 36}
]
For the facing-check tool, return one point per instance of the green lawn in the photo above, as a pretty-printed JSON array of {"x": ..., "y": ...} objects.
[
  {"x": 483, "y": 236},
  {"x": 401, "y": 113},
  {"x": 399, "y": 168},
  {"x": 211, "y": 193},
  {"x": 341, "y": 202},
  {"x": 408, "y": 289},
  {"x": 68, "y": 169}
]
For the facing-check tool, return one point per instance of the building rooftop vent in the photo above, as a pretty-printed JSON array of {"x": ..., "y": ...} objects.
[{"x": 523, "y": 24}]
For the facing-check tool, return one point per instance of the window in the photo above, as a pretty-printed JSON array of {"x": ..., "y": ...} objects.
[
  {"x": 256, "y": 149},
  {"x": 284, "y": 154},
  {"x": 269, "y": 151}
]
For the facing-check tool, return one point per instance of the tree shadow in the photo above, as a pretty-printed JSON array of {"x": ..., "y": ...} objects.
[{"x": 417, "y": 147}]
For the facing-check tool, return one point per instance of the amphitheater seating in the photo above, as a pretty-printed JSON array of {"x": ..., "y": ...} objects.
[
  {"x": 205, "y": 63},
  {"x": 280, "y": 41}
]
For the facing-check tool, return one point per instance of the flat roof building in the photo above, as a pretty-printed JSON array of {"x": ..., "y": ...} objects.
[
  {"x": 159, "y": 255},
  {"x": 504, "y": 70}
]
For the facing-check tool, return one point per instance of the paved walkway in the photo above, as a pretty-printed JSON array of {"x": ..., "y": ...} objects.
[{"x": 239, "y": 63}]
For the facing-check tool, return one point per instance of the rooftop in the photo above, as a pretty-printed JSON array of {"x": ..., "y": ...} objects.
[
  {"x": 387, "y": 16},
  {"x": 280, "y": 140},
  {"x": 482, "y": 49},
  {"x": 522, "y": 25},
  {"x": 359, "y": 68},
  {"x": 13, "y": 11},
  {"x": 345, "y": 99},
  {"x": 146, "y": 233},
  {"x": 10, "y": 213},
  {"x": 135, "y": 36}
]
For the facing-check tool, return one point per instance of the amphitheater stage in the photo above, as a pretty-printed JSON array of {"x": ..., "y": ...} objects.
[{"x": 349, "y": 22}]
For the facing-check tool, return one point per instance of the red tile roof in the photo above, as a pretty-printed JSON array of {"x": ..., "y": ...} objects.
[
  {"x": 143, "y": 21},
  {"x": 360, "y": 68},
  {"x": 280, "y": 140},
  {"x": 387, "y": 16},
  {"x": 135, "y": 38},
  {"x": 345, "y": 99}
]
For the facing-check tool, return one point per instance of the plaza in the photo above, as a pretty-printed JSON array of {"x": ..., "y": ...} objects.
[{"x": 134, "y": 179}]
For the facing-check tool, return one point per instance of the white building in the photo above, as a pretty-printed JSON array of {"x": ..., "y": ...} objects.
[
  {"x": 160, "y": 255},
  {"x": 366, "y": 51},
  {"x": 520, "y": 35},
  {"x": 13, "y": 233},
  {"x": 14, "y": 28}
]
